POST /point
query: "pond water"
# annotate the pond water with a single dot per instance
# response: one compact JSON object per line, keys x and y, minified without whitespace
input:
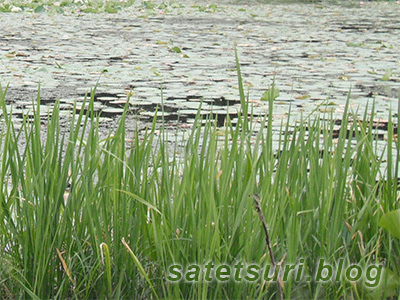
{"x":180,"y":56}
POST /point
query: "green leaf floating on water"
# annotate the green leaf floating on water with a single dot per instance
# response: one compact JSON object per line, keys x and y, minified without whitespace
{"x":391,"y":222}
{"x":111,"y":9}
{"x":351,"y":44}
{"x":387,"y":75}
{"x":39,"y":9}
{"x":213,"y":7}
{"x":42,"y":69}
{"x":176,"y":49}
{"x":270,"y":94}
{"x":90,"y":10}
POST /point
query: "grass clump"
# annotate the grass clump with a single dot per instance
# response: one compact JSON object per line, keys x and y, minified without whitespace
{"x":87,"y":218}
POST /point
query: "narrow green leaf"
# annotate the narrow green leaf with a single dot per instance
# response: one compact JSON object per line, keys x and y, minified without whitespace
{"x":141,"y":200}
{"x":139,"y":266}
{"x":105,"y":252}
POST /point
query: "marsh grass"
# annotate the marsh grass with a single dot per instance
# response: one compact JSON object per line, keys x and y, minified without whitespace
{"x":86,"y":218}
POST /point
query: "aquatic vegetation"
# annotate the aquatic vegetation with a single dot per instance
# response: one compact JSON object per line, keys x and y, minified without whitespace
{"x":86,"y":6}
{"x":85,"y":217}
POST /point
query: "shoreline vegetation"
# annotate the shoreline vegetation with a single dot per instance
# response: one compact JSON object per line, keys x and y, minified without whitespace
{"x":147,"y":8}
{"x":84,"y":218}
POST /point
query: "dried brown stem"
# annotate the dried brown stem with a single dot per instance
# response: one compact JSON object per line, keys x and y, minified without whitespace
{"x":268,"y":242}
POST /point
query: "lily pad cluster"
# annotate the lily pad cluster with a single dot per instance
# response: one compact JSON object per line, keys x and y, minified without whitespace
{"x":84,"y":6}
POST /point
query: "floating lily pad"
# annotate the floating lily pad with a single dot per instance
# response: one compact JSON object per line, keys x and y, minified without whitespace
{"x":112,"y":111}
{"x":107,"y":99}
{"x":352,"y":44}
{"x":39,"y":9}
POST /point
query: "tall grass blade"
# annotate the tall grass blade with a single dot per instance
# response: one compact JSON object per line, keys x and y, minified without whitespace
{"x":139,"y":266}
